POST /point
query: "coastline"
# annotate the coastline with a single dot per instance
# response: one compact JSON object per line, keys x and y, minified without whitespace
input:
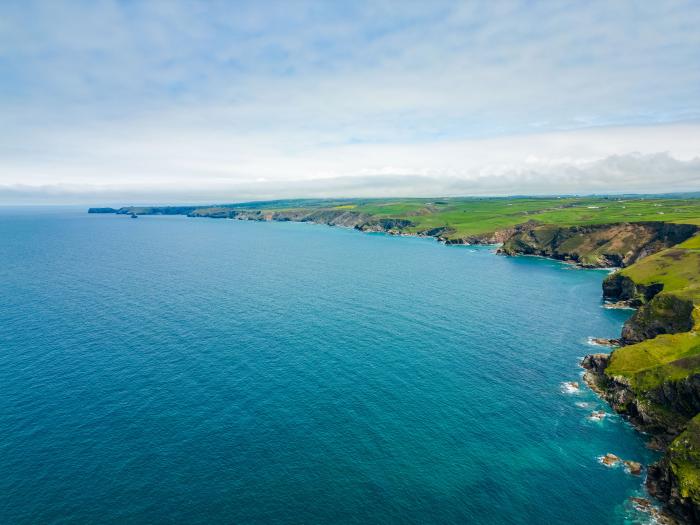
{"x":526,"y":240}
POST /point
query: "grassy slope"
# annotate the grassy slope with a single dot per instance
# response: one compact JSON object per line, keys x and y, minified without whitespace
{"x":666,"y":357}
{"x":684,"y":459}
{"x":475,"y":216}
{"x":678,"y":268}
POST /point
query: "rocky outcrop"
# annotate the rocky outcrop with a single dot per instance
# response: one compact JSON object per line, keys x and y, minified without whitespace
{"x":330,"y":217}
{"x":156,"y":210}
{"x":385,"y":225}
{"x":658,"y":396}
{"x":676,"y":478}
{"x":496,"y":237}
{"x":603,"y":341}
{"x":102,"y":210}
{"x":666,"y":313}
{"x":596,"y":246}
{"x":441,"y":232}
{"x":616,"y":391}
{"x":662,"y":411}
{"x":595,"y":364}
{"x":618,"y":287}
{"x":345,"y":218}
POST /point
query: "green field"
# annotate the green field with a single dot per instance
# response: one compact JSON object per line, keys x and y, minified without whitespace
{"x":667,"y":357}
{"x":474,"y":216}
{"x":677,"y":268}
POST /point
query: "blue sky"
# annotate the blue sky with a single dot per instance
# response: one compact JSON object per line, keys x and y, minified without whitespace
{"x":208,"y":101}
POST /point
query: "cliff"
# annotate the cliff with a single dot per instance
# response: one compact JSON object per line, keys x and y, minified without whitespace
{"x":600,"y":245}
{"x":676,"y":478}
{"x":516,"y":224}
{"x":654,"y":378}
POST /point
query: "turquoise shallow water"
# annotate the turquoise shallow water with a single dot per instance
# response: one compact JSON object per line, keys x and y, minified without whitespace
{"x":168,"y":369}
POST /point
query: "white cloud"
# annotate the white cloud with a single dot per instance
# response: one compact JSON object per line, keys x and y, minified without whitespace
{"x":633,"y":173}
{"x":134,"y":95}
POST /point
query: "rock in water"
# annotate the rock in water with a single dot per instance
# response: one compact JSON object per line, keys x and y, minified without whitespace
{"x":609,"y":460}
{"x":602,"y":341}
{"x":597,"y":415}
{"x":641,"y":504}
{"x":633,"y":467}
{"x":570,"y":387}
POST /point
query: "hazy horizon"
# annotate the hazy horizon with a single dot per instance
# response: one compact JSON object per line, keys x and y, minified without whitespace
{"x":181,"y":102}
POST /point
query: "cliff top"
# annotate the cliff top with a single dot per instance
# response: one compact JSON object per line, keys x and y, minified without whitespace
{"x":465,"y":217}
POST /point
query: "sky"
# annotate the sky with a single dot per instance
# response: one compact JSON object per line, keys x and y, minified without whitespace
{"x":128,"y":102}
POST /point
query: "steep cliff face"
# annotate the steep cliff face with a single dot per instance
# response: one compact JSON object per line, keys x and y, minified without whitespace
{"x":495,"y":237}
{"x":665,"y":402}
{"x":676,"y":478}
{"x":654,"y":378}
{"x":665,"y":313}
{"x":653,"y":400}
{"x":604,"y":245}
{"x":619,"y":287}
{"x":155,"y":210}
{"x":385,"y":225}
{"x":340,"y":217}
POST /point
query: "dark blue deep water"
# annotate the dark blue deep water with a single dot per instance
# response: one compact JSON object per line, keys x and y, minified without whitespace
{"x":175,"y":370}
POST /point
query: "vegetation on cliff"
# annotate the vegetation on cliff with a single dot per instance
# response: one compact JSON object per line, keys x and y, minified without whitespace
{"x":676,"y":269}
{"x":684,"y":460}
{"x":676,"y":478}
{"x":649,"y":364}
{"x":455,"y":219}
{"x":655,"y":377}
{"x":598,"y":245}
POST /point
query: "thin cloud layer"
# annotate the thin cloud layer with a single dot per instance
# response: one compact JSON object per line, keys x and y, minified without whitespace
{"x":633,"y":173}
{"x":177,"y":100}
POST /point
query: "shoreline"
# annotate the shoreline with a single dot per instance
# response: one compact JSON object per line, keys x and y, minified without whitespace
{"x":524,"y":241}
{"x":649,"y":505}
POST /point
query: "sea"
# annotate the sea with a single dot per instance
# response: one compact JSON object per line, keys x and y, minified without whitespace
{"x":181,"y":370}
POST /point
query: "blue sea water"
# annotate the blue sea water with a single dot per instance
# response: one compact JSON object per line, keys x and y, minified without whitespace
{"x":175,"y":370}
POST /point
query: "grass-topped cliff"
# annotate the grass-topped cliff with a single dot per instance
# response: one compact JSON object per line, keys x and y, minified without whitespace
{"x":655,"y":377}
{"x":675,"y":268}
{"x":676,"y":478}
{"x":451,"y":219}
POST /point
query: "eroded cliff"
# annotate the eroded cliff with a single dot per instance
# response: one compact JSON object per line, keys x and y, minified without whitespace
{"x":601,"y":245}
{"x":654,"y":378}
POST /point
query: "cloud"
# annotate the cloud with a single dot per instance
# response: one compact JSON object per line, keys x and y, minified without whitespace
{"x":634,"y":173}
{"x":192,"y":94}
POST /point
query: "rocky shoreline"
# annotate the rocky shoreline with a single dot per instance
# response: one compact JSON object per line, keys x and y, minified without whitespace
{"x":595,"y":246}
{"x":664,"y":408}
